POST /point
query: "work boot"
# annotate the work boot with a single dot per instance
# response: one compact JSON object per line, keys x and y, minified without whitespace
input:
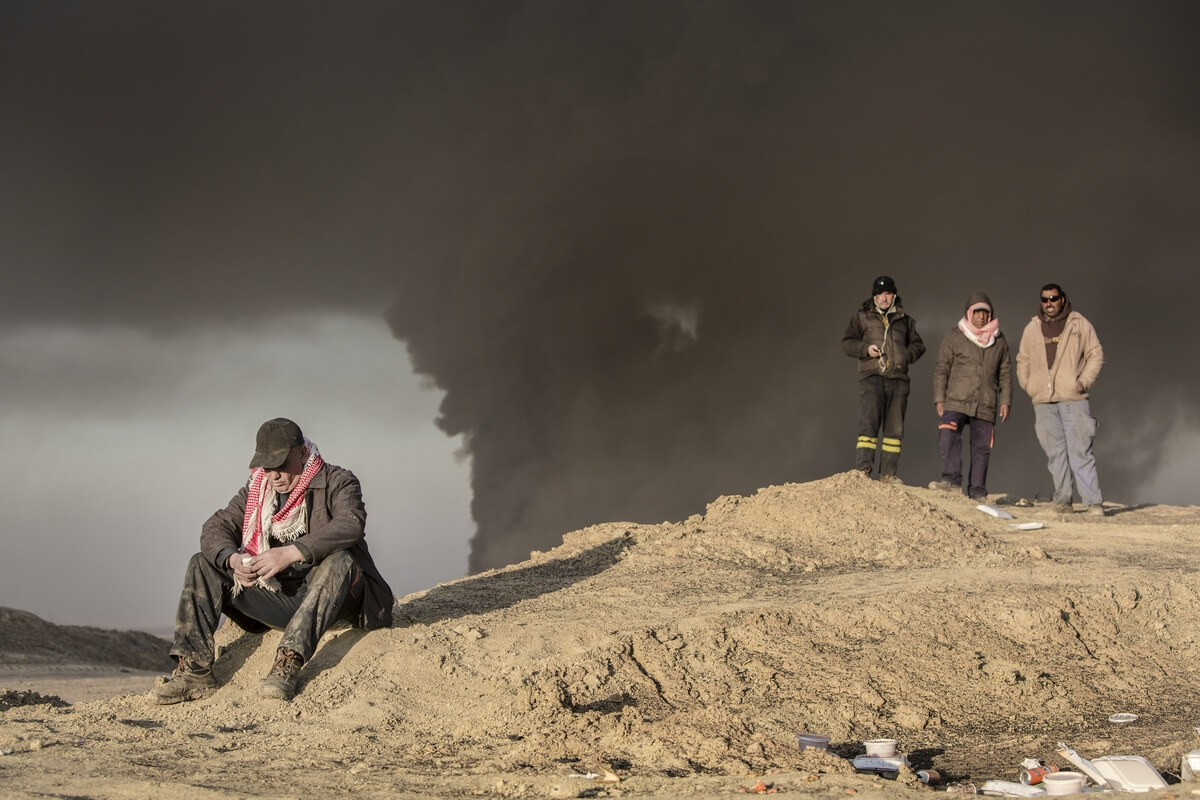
{"x":893,"y":479}
{"x":189,"y":681}
{"x":1096,"y":510}
{"x":1063,"y":508}
{"x":281,"y":681}
{"x":943,"y":486}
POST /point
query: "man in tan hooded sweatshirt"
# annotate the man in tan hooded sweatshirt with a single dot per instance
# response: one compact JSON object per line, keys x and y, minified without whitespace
{"x":1058,"y":362}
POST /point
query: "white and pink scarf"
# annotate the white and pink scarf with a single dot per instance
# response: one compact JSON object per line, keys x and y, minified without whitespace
{"x":984,"y":337}
{"x":287,"y":524}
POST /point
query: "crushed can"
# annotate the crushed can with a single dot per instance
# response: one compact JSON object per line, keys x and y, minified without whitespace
{"x":962,"y":788}
{"x":1031,"y":776}
{"x":930,"y":777}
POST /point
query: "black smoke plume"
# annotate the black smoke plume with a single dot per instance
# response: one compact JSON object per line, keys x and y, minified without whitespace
{"x":624,"y":237}
{"x":671,"y":218}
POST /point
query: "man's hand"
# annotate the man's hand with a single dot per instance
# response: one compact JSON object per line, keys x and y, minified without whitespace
{"x":941,"y":409}
{"x":1079,"y":387}
{"x":873,"y":351}
{"x":266,"y":565}
{"x":242,"y":573}
{"x":1003,"y":412}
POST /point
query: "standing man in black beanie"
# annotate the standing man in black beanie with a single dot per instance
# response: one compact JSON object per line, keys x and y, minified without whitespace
{"x":885,"y":341}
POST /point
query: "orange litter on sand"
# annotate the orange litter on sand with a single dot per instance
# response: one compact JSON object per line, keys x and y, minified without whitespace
{"x":760,"y":788}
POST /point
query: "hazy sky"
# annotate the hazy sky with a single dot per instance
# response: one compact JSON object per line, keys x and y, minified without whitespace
{"x":618,"y":242}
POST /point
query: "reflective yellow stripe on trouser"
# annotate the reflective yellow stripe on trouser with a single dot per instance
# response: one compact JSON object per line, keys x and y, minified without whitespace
{"x":890,"y":445}
{"x":868,"y":442}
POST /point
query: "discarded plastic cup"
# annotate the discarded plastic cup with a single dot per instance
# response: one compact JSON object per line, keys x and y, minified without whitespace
{"x":881,"y":748}
{"x":813,"y":741}
{"x":1060,"y":783}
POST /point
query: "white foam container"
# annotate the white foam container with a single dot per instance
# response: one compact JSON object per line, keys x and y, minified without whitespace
{"x":1189,"y":766}
{"x":1129,"y":773}
{"x":875,"y":764}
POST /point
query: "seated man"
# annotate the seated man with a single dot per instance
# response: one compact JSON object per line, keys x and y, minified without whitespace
{"x":287,"y":553}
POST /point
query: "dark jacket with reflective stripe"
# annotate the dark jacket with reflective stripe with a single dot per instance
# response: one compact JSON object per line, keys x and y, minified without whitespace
{"x":899,"y":341}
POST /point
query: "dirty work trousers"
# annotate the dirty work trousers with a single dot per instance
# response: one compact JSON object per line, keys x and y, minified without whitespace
{"x":950,"y":428}
{"x":307,"y":604}
{"x":1066,"y":431}
{"x":882,"y":403}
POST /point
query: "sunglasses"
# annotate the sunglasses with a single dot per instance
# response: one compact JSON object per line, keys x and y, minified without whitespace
{"x":1054,"y":298}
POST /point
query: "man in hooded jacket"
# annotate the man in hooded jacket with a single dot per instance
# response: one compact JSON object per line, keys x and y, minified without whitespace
{"x":1057,"y":364}
{"x":885,"y":341}
{"x":972,"y":385}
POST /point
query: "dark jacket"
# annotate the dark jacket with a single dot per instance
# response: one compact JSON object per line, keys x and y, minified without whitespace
{"x":337,"y":520}
{"x":970,"y":379}
{"x":899,"y":340}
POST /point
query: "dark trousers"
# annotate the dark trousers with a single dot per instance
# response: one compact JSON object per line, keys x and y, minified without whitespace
{"x":950,"y":441}
{"x":306,"y":605}
{"x":882,"y":403}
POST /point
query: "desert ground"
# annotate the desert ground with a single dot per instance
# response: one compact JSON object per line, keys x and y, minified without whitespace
{"x":673,"y":660}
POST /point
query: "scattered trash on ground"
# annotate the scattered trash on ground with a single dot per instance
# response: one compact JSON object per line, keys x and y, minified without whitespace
{"x":1036,"y":778}
{"x":1120,"y":719}
{"x":1106,"y":773}
{"x":881,"y":758}
{"x":1027,"y":526}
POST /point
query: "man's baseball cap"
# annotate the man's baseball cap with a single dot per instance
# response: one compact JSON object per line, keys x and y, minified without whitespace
{"x":883,"y":284}
{"x":276,"y":438}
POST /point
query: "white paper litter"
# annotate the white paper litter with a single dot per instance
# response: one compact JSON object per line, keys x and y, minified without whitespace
{"x":1027,"y":526}
{"x":995,"y":512}
{"x":1083,"y":764}
{"x":1011,"y":789}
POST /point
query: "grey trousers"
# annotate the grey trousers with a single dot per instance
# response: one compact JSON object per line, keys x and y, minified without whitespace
{"x":306,"y":606}
{"x":1066,"y":432}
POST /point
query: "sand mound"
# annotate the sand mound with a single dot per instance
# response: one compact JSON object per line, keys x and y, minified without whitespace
{"x":686,"y":656}
{"x":28,"y":639}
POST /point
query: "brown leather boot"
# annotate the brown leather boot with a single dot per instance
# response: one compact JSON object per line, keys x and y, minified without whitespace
{"x":281,"y":681}
{"x":189,"y":681}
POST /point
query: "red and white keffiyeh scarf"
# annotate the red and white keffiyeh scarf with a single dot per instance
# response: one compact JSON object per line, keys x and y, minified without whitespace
{"x":287,"y":524}
{"x":985,"y":337}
